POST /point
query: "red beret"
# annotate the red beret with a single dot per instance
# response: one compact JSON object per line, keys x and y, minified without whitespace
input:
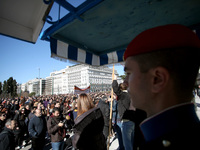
{"x":162,"y":37}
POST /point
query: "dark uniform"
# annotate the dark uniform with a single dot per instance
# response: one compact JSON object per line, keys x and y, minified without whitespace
{"x":173,"y":129}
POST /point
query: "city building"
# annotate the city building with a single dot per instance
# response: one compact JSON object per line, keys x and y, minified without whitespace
{"x":35,"y":85}
{"x":64,"y":80}
{"x":82,"y":76}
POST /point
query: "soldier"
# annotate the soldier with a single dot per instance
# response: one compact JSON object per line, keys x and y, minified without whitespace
{"x":162,"y":64}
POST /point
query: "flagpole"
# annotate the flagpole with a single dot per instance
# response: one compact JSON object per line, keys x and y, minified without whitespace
{"x":111,"y":103}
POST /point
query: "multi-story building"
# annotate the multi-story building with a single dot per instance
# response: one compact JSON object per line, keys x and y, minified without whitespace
{"x":63,"y":81}
{"x":36,"y":85}
{"x":48,"y":86}
{"x":24,"y":87}
{"x":82,"y":76}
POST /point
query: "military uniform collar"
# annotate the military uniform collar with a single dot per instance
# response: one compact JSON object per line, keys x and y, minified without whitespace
{"x":168,"y":120}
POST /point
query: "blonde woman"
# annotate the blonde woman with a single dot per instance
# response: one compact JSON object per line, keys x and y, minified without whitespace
{"x":88,"y":128}
{"x":84,"y":104}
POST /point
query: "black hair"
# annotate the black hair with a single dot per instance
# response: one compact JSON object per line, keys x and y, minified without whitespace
{"x":55,"y":109}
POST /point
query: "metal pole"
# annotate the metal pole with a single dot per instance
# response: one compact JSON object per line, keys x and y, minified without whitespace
{"x":111,"y":102}
{"x":39,"y":73}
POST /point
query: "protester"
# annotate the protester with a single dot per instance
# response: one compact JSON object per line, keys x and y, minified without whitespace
{"x":46,"y":102}
{"x":74,"y":110}
{"x":18,"y":135}
{"x":88,"y":128}
{"x":68,"y":123}
{"x":162,"y":64}
{"x":16,"y":106}
{"x":57,"y":104}
{"x":117,"y":123}
{"x":32,"y":113}
{"x":20,"y":118}
{"x":128,"y":126}
{"x":7,"y":105}
{"x":2,"y":120}
{"x":7,"y":139}
{"x":56,"y":130}
{"x":37,"y":129}
{"x":105,"y":109}
{"x":12,"y":111}
{"x":27,"y":111}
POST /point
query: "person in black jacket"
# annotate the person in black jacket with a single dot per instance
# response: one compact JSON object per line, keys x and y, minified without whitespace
{"x":20,"y":118}
{"x":12,"y":111}
{"x":2,"y":120}
{"x":125,"y":113}
{"x":17,"y":132}
{"x":105,"y":109}
{"x":37,"y":130}
{"x":88,"y":128}
{"x":7,"y":139}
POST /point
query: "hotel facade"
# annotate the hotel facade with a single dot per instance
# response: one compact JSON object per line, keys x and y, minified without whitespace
{"x":63,"y":81}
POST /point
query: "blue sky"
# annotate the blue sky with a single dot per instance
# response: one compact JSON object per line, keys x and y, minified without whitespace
{"x":22,"y":60}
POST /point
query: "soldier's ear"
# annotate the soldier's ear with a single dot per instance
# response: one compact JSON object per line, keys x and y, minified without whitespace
{"x":160,"y":77}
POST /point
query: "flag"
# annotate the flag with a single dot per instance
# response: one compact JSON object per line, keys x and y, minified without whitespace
{"x":78,"y":90}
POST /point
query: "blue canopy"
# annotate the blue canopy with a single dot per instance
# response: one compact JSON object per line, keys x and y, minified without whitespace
{"x":98,"y":32}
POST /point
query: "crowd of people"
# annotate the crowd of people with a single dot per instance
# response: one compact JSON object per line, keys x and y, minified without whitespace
{"x":54,"y":118}
{"x":56,"y":111}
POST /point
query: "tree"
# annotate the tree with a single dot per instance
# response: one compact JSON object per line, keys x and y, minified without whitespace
{"x":14,"y":83}
{"x":122,"y":76}
{"x":5,"y":88}
{"x":0,"y":88}
{"x":32,"y":94}
{"x":10,"y":87}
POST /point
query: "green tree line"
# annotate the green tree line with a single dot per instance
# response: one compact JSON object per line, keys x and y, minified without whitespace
{"x":8,"y":88}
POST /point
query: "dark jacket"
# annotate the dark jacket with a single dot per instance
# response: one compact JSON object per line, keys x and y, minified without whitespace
{"x":7,"y":140}
{"x":123,"y":100}
{"x":37,"y":127}
{"x":55,"y":132}
{"x":2,"y":124}
{"x":88,"y":131}
{"x":20,"y":118}
{"x":12,"y":110}
{"x":16,"y":107}
{"x":105,"y":109}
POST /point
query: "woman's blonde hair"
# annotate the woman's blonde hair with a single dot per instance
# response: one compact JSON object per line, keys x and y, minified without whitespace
{"x":84,"y":103}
